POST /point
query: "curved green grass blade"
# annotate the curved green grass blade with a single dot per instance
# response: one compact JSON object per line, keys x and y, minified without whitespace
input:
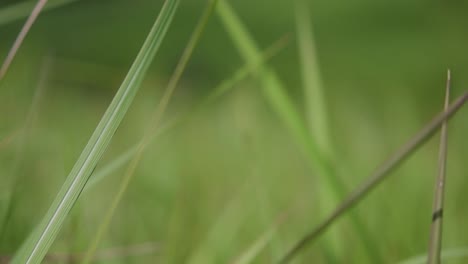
{"x":39,"y":242}
{"x":21,"y":10}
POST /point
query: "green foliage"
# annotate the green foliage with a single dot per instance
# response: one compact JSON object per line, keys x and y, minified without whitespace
{"x":38,"y":243}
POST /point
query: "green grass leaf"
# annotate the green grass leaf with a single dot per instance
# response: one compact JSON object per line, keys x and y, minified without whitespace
{"x":314,"y":93}
{"x":40,"y":240}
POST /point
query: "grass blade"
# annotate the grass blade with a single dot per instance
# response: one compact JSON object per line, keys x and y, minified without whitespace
{"x":253,"y":250}
{"x":312,"y":82}
{"x":24,"y":31}
{"x":24,"y":134}
{"x":161,"y":108}
{"x":21,"y":10}
{"x":40,"y":240}
{"x":435,"y":241}
{"x":379,"y":174}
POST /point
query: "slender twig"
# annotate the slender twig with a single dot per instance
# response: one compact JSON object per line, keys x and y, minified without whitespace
{"x":153,"y":126}
{"x":435,"y":240}
{"x":24,"y":31}
{"x":379,"y":174}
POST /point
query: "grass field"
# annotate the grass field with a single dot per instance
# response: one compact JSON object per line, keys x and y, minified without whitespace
{"x":251,"y":122}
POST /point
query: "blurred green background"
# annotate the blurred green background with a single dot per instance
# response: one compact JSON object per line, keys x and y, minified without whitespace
{"x":211,"y":186}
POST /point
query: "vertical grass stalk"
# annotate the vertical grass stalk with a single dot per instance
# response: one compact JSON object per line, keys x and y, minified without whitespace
{"x":435,"y":240}
{"x":377,"y":176}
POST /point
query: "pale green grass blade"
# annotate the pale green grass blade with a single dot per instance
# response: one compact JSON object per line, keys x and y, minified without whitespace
{"x":221,"y":89}
{"x":249,"y":255}
{"x":223,"y":230}
{"x":152,"y":127}
{"x":317,"y":117}
{"x":447,"y":254}
{"x":21,"y":36}
{"x":24,"y":134}
{"x":377,"y":176}
{"x":272,"y":86}
{"x":23,"y":9}
{"x":316,"y":110}
{"x":39,"y":242}
{"x":435,"y":240}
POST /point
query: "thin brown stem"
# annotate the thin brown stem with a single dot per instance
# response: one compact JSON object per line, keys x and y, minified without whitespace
{"x":435,"y":241}
{"x":19,"y":40}
{"x":379,"y":174}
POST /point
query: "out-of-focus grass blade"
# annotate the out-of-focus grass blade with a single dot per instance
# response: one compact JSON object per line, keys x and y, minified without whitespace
{"x":435,"y":240}
{"x":377,"y":176}
{"x":447,"y":254}
{"x":21,"y":36}
{"x":23,"y":134}
{"x":223,"y":230}
{"x":152,"y":127}
{"x":225,"y":86}
{"x":317,"y":116}
{"x":36,"y":246}
{"x":284,"y":107}
{"x":23,"y":9}
{"x":272,"y":86}
{"x":312,"y":82}
{"x":250,"y":253}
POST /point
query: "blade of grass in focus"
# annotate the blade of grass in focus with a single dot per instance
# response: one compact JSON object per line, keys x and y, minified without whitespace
{"x":23,"y":9}
{"x":225,"y":86}
{"x":377,"y":176}
{"x":435,"y":240}
{"x":152,"y":127}
{"x":21,"y":36}
{"x":38,"y":243}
